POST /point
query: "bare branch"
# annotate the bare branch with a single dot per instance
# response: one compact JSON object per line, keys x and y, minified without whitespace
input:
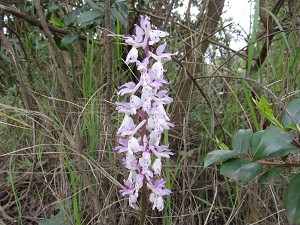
{"x":37,"y":23}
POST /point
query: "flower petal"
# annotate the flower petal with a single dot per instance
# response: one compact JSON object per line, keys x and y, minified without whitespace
{"x":132,"y":55}
{"x":157,"y":166}
{"x":161,"y":48}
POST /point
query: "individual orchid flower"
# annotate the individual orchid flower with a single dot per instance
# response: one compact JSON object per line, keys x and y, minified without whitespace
{"x":142,"y":66}
{"x":157,"y":201}
{"x":155,"y":35}
{"x":158,"y":191}
{"x":157,"y":166}
{"x":127,"y":126}
{"x":128,"y":88}
{"x":133,"y":195}
{"x":159,"y":187}
{"x":141,"y":143}
{"x":123,"y":147}
{"x":135,"y":104}
{"x":131,"y":164}
{"x":133,"y":42}
{"x":133,"y":145}
{"x":157,"y":69}
{"x":145,"y":162}
{"x":139,"y":33}
{"x":160,"y":56}
{"x":162,"y":151}
{"x":132,"y":55}
{"x":162,"y":98}
{"x":123,"y":107}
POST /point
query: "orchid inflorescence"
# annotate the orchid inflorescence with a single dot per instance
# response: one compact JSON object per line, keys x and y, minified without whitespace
{"x":141,"y":142}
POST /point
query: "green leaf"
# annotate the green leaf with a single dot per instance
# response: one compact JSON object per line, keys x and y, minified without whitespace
{"x":100,"y":5}
{"x":89,"y":16}
{"x":122,"y":12}
{"x":69,"y":19}
{"x":290,"y":149}
{"x":219,"y":155}
{"x":253,"y":37}
{"x":273,"y":172}
{"x":221,"y":145}
{"x":283,"y":34}
{"x":69,"y":39}
{"x":91,"y":4}
{"x":57,"y":40}
{"x":241,"y":140}
{"x":292,"y":198}
{"x":56,"y":7}
{"x":264,"y":107}
{"x":122,"y":6}
{"x":269,"y":141}
{"x":56,"y":22}
{"x":239,"y":169}
{"x":62,"y":217}
{"x":294,"y":108}
{"x":295,"y":127}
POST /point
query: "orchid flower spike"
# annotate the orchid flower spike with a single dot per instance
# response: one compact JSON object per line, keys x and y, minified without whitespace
{"x":145,"y":117}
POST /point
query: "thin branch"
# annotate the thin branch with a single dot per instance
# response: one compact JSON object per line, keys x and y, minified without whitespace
{"x":37,"y":23}
{"x":269,"y":25}
{"x":71,"y":98}
{"x":279,"y":164}
{"x":25,"y":92}
{"x":208,"y":38}
{"x":168,"y":15}
{"x":201,"y":92}
{"x":258,"y":83}
{"x":158,"y":17}
{"x":205,"y":39}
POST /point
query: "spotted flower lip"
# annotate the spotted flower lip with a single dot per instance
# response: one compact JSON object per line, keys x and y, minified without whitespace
{"x":132,"y":55}
{"x":145,"y":117}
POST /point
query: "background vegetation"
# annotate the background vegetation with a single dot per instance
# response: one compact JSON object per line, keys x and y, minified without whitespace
{"x":59,"y":75}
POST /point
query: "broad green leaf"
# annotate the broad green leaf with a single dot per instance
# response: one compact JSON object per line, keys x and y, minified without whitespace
{"x":56,"y":7}
{"x":266,"y":110}
{"x":100,"y":5}
{"x":292,"y":198}
{"x":57,"y":40}
{"x":89,"y":16}
{"x":91,"y":4}
{"x":71,"y":17}
{"x":239,"y":169}
{"x":69,"y":38}
{"x":219,"y":155}
{"x":120,"y":17}
{"x":273,"y":172}
{"x":122,"y":6}
{"x":241,"y":140}
{"x":62,"y":217}
{"x":122,"y":12}
{"x":269,"y":141}
{"x":290,"y":149}
{"x":294,"y":108}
